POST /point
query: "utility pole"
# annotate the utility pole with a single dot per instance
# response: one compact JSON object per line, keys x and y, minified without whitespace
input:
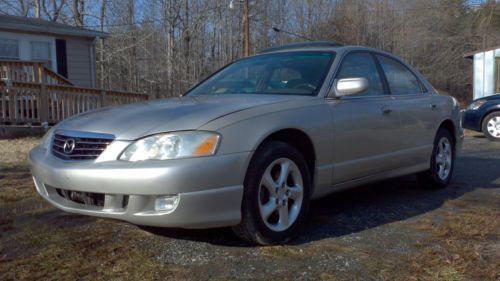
{"x":246,"y":26}
{"x":37,"y":9}
{"x":246,"y":30}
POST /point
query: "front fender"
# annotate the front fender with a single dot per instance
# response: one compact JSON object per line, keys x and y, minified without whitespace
{"x":244,"y":131}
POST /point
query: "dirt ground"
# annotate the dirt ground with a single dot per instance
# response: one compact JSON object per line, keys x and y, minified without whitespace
{"x":394,"y":230}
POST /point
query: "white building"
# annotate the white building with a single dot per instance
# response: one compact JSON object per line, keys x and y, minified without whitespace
{"x":486,"y":77}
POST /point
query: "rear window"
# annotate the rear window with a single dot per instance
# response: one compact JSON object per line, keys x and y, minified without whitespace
{"x":401,"y":80}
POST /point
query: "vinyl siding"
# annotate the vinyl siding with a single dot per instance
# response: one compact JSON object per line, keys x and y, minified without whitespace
{"x":79,"y":61}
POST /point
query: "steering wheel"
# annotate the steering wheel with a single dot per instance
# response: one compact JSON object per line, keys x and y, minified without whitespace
{"x":305,"y":86}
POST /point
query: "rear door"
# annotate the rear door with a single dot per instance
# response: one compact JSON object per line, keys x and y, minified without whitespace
{"x":366,"y":125}
{"x":416,"y":108}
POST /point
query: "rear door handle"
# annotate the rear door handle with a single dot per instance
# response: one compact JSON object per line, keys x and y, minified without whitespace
{"x":386,"y":110}
{"x":433,"y":106}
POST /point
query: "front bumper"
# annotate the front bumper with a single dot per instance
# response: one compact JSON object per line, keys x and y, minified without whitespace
{"x":210,"y":189}
{"x":471,"y":119}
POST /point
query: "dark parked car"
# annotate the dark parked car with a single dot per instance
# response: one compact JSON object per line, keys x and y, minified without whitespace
{"x":483,"y":115}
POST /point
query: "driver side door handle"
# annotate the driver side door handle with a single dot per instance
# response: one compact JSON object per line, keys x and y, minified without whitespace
{"x":386,"y":110}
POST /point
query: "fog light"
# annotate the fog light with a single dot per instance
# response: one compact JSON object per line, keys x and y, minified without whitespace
{"x":166,"y":203}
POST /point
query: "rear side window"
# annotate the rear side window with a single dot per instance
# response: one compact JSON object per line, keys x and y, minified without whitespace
{"x":401,"y":80}
{"x":362,"y":65}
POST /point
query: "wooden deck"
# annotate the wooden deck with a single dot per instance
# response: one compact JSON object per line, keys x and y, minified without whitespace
{"x":31,"y":93}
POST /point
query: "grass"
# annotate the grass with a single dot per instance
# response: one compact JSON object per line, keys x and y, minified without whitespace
{"x":61,"y":253}
{"x":16,"y":150}
{"x":460,"y":247}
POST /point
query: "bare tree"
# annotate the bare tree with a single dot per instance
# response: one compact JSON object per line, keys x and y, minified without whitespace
{"x":78,"y":9}
{"x":165,"y":46}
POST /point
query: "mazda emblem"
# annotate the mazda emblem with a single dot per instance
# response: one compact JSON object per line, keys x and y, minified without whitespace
{"x":69,"y":146}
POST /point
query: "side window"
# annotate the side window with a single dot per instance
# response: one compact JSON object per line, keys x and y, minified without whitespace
{"x":401,"y":80}
{"x":356,"y":65}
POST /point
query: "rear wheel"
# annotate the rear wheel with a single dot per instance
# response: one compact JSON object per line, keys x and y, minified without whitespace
{"x":276,"y":195}
{"x":442,"y":162}
{"x":491,"y":126}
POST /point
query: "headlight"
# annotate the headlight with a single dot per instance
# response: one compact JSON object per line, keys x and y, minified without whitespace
{"x":477,"y":104}
{"x":172,"y":146}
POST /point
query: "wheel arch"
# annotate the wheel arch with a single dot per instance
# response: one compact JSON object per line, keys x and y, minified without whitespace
{"x":488,"y":112}
{"x":300,"y":141}
{"x":449,"y":125}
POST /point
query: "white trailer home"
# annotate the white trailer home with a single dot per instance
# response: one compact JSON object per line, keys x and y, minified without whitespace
{"x":486,"y":76}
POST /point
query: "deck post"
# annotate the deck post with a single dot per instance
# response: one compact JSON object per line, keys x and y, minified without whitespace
{"x":36,"y":72}
{"x":104,"y":100}
{"x":12,"y":100}
{"x":44,"y":98}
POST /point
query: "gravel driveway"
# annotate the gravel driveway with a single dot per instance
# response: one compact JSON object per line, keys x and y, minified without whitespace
{"x":393,"y":230}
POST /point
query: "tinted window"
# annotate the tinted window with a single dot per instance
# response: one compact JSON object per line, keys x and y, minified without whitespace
{"x":291,"y":73}
{"x":362,"y":65}
{"x":401,"y":80}
{"x":9,"y":49}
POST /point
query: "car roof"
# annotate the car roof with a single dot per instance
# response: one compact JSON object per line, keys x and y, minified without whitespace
{"x":340,"y":50}
{"x":318,"y":46}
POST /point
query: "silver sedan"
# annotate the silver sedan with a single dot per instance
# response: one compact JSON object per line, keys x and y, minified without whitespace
{"x":252,"y":144}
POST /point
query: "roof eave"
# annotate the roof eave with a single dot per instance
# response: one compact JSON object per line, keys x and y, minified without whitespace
{"x":23,"y":24}
{"x":470,"y":55}
{"x":54,"y":30}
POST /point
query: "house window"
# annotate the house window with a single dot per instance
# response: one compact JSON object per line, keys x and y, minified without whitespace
{"x":9,"y":49}
{"x":40,"y":51}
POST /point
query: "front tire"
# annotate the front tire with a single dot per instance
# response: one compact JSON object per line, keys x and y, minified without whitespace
{"x":276,"y":195}
{"x":491,"y":126}
{"x":442,"y":162}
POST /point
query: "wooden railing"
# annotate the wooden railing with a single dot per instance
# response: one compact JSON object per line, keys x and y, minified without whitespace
{"x":30,"y":71}
{"x":36,"y":96}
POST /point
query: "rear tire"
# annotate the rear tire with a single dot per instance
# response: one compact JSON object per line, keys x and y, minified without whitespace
{"x":442,"y":162}
{"x":276,"y":195}
{"x":491,"y":126}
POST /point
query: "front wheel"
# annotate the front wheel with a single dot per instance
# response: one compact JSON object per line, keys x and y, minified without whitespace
{"x":491,"y":126}
{"x":276,"y":195}
{"x":442,"y":162}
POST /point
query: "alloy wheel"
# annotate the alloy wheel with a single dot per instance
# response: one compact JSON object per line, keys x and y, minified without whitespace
{"x":493,"y":127}
{"x":281,"y":194}
{"x":444,"y":158}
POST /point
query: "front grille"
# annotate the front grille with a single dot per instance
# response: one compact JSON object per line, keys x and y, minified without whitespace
{"x":78,"y":148}
{"x":86,"y":198}
{"x":115,"y":201}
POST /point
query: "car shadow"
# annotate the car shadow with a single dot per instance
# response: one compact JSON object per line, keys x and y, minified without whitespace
{"x":398,"y":199}
{"x":368,"y":206}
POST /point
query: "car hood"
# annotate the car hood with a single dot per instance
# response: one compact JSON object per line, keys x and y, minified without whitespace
{"x":134,"y":121}
{"x":494,"y":97}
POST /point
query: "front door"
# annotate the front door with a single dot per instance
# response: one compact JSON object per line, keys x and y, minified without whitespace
{"x":366,"y":126}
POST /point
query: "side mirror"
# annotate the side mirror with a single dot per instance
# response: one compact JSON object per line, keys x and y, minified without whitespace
{"x":351,"y":86}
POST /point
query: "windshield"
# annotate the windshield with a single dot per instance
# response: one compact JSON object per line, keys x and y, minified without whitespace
{"x":291,"y":73}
